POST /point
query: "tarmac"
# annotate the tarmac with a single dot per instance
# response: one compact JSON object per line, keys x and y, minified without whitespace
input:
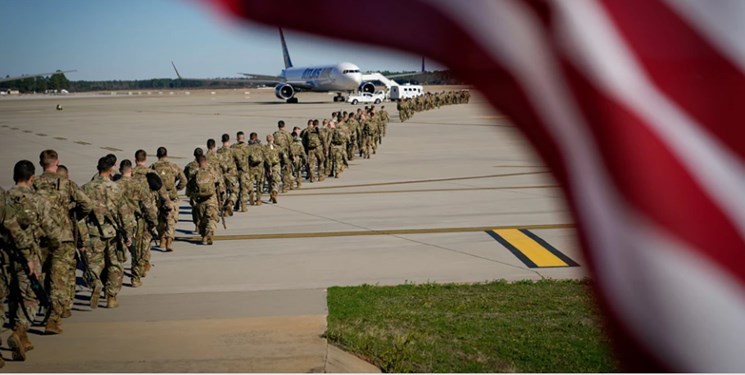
{"x":416,"y":212}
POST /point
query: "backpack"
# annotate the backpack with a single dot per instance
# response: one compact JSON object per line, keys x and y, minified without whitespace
{"x":203,"y":184}
{"x":338,"y":137}
{"x":166,"y":175}
{"x":314,"y":140}
{"x":256,"y":156}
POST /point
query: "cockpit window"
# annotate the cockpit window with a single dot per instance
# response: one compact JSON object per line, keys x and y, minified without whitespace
{"x":350,"y":71}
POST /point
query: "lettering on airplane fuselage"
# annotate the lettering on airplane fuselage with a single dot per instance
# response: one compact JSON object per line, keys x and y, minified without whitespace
{"x":312,"y":73}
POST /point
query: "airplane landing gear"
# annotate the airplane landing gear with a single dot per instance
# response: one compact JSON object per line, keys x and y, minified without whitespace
{"x":339,"y":98}
{"x":292,"y":100}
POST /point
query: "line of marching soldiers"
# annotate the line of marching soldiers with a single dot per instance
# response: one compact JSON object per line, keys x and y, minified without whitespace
{"x":234,"y":176}
{"x":407,"y":107}
{"x":50,"y":226}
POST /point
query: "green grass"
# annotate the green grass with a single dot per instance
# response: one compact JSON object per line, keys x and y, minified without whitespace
{"x":545,"y":326}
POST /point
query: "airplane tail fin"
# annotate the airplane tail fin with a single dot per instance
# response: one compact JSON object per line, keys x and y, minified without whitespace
{"x":285,"y":53}
{"x":174,"y":68}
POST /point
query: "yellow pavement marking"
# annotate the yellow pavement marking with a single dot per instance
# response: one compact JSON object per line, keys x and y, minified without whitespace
{"x":531,"y":249}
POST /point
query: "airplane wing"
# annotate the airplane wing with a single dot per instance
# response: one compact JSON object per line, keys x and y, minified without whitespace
{"x":6,"y":79}
{"x":254,"y":78}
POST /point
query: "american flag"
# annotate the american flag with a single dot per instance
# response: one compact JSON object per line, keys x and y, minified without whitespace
{"x":634,"y":105}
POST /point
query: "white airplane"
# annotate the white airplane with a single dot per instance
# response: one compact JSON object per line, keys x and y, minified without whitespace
{"x":9,"y":78}
{"x":342,"y":78}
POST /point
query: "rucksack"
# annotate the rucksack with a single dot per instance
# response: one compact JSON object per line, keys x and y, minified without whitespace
{"x":166,"y":175}
{"x":204,"y":184}
{"x":338,"y":137}
{"x":256,"y":156}
{"x":314,"y":140}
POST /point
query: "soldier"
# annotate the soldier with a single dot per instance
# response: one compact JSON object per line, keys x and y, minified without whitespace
{"x":62,"y":197}
{"x":273,"y":167}
{"x":299,"y":159}
{"x":283,"y":139}
{"x":367,"y":136}
{"x":338,"y":145}
{"x":256,"y":168}
{"x":384,"y":118}
{"x":189,"y":170}
{"x":240,"y":156}
{"x":173,"y":181}
{"x":110,"y":222}
{"x":36,"y":219}
{"x":205,"y":188}
{"x":159,"y":198}
{"x":139,"y":198}
{"x":229,"y":173}
{"x":315,"y":152}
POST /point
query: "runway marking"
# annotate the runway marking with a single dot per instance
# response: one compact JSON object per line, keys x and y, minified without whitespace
{"x":14,"y":128}
{"x":107,"y":148}
{"x":531,"y":249}
{"x":41,"y":134}
{"x":371,"y":232}
{"x":60,"y":138}
{"x":423,"y":190}
{"x":27,"y":131}
{"x":490,"y":117}
{"x":426,"y":181}
{"x":83,"y":143}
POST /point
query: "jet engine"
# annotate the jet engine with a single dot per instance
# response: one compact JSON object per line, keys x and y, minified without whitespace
{"x":366,"y":87}
{"x":284,"y":91}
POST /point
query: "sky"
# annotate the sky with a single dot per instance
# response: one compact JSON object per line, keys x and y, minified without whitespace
{"x":138,"y":39}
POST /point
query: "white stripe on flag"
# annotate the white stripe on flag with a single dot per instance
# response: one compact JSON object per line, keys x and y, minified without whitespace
{"x":722,"y":25}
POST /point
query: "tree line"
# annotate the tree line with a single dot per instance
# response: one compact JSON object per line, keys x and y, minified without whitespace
{"x":60,"y":82}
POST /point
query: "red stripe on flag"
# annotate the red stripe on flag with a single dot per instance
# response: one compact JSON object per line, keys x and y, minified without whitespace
{"x":654,"y":181}
{"x":685,"y":67}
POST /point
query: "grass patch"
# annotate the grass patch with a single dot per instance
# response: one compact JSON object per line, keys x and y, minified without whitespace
{"x":544,"y":326}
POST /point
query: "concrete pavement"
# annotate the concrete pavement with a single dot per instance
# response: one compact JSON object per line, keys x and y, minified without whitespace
{"x":255,"y":301}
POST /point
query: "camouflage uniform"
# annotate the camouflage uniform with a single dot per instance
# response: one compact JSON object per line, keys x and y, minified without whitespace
{"x":113,"y":212}
{"x":15,"y":237}
{"x":240,"y":156}
{"x":256,"y":165}
{"x":315,"y":155}
{"x":173,"y":181}
{"x":283,"y":139}
{"x":205,"y":187}
{"x":230,"y":176}
{"x":158,"y":199}
{"x":338,"y":145}
{"x":35,"y":215}
{"x":273,"y":165}
{"x":62,"y":196}
{"x":325,"y":165}
{"x":139,"y":198}
{"x":367,"y":138}
{"x":189,"y":171}
{"x":299,"y":159}
{"x":353,"y":137}
{"x":384,"y":118}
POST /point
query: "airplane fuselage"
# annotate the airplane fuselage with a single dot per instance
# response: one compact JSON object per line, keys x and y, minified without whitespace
{"x":342,"y":77}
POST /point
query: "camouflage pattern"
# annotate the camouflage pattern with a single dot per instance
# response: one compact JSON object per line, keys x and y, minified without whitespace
{"x":205,"y":194}
{"x":274,"y":170}
{"x":315,"y":155}
{"x":229,"y":174}
{"x":240,"y":156}
{"x":283,"y":139}
{"x":189,"y":171}
{"x":62,"y":196}
{"x":139,"y":199}
{"x":338,"y":149}
{"x":113,"y":211}
{"x":34,"y":214}
{"x":299,"y":160}
{"x":256,"y":168}
{"x":173,"y":181}
{"x":158,"y":199}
